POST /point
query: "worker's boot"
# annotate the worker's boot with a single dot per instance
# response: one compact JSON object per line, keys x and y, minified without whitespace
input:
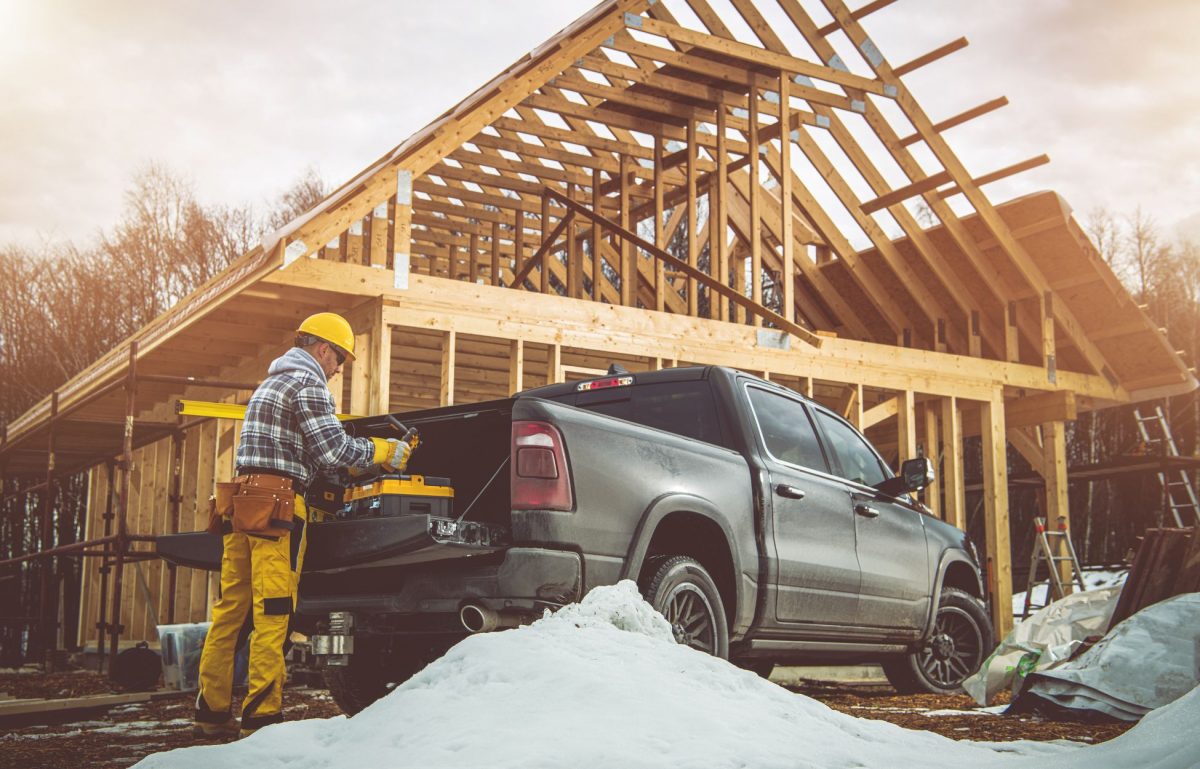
{"x":205,"y":730}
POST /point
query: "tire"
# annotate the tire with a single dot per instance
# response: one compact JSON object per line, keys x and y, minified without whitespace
{"x":683,"y":592}
{"x":760,"y":667}
{"x":374,"y":670}
{"x":961,"y":640}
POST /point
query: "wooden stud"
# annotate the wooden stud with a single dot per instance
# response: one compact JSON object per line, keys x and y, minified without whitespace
{"x":755,"y":207}
{"x":629,"y":274}
{"x":1058,"y":508}
{"x":473,"y":259}
{"x":722,"y":242}
{"x":516,"y":366}
{"x":574,"y":258}
{"x":659,"y":238}
{"x":932,"y":493}
{"x":545,"y":228}
{"x":496,"y":254}
{"x":995,"y":508}
{"x":446,"y":389}
{"x":954,"y":510}
{"x":554,"y":364}
{"x":785,"y":200}
{"x":906,"y":426}
{"x":381,"y":364}
{"x":519,"y":242}
{"x":692,"y":217}
{"x":597,"y":239}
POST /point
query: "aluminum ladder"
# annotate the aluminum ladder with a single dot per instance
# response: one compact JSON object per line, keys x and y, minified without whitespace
{"x":1044,"y":553}
{"x":1179,"y":495}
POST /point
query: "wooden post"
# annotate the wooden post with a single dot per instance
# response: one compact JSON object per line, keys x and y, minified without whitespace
{"x":544,"y":280}
{"x":574,"y":258}
{"x":932,"y":493}
{"x":755,"y":206}
{"x":1012,"y":335}
{"x":553,"y":363}
{"x":906,"y":426}
{"x":853,"y":411}
{"x":360,"y":376}
{"x":660,"y":279}
{"x":379,"y":235}
{"x":1057,"y":509}
{"x":995,"y":509}
{"x":692,"y":217}
{"x":381,"y":364}
{"x":446,"y":392}
{"x":629,"y":275}
{"x":954,"y":510}
{"x":472,"y":261}
{"x":597,"y":239}
{"x":519,"y":243}
{"x":722,"y":243}
{"x":1049,"y":358}
{"x":785,"y":198}
{"x":516,"y":366}
{"x":402,"y":248}
{"x":496,"y":253}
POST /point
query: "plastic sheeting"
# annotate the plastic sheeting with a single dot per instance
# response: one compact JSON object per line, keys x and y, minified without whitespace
{"x":1052,"y":634}
{"x":1144,"y":663}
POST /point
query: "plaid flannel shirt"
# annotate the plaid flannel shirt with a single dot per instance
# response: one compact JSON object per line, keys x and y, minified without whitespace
{"x":291,"y":426}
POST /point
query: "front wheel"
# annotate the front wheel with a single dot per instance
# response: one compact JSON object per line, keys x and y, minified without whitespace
{"x":683,"y":592}
{"x":960,"y":641}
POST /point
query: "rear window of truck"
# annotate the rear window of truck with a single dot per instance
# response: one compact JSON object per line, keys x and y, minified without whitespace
{"x":683,"y":408}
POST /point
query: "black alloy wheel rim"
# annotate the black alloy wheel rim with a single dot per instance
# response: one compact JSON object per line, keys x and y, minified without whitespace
{"x":955,"y":650}
{"x":691,"y":617}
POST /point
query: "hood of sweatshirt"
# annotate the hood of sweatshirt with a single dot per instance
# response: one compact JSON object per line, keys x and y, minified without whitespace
{"x":297,"y":359}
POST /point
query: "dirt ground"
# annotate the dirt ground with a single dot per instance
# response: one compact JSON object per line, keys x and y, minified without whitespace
{"x":125,"y":734}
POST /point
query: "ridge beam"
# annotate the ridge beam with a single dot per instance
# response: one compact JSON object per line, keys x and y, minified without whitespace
{"x":757,"y":56}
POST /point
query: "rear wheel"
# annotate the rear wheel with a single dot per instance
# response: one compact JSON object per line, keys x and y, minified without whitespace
{"x":960,"y":641}
{"x":375,"y":668}
{"x":683,"y":591}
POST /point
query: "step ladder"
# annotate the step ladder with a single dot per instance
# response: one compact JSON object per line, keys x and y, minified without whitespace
{"x":1179,"y":495}
{"x":1044,"y":553}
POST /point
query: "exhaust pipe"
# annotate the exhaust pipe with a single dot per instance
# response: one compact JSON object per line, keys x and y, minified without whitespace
{"x":480,"y":619}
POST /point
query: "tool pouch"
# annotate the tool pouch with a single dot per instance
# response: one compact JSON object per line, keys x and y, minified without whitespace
{"x":220,"y":507}
{"x":263,"y":505}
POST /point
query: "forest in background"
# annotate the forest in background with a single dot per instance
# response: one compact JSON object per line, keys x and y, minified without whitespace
{"x":64,"y":305}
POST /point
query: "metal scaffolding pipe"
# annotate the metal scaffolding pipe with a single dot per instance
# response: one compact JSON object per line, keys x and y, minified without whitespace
{"x":102,"y":620}
{"x":194,"y":382}
{"x":123,"y":501}
{"x":47,"y":617}
{"x":56,"y":551}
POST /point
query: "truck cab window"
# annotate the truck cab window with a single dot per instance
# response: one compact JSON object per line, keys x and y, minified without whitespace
{"x":786,"y":429}
{"x":857,"y":461}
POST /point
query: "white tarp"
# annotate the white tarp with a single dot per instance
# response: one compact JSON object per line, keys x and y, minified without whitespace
{"x":1146,"y":662}
{"x":1053,"y":633}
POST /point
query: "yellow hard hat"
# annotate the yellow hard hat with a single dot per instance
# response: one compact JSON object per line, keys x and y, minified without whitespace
{"x":332,"y":328}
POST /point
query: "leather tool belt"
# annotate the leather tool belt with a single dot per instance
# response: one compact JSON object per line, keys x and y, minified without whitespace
{"x":256,"y":503}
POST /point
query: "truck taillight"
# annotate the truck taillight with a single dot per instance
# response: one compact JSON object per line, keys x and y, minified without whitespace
{"x":539,"y":476}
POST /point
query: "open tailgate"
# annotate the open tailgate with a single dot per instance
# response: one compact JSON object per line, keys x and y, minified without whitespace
{"x":340,"y":545}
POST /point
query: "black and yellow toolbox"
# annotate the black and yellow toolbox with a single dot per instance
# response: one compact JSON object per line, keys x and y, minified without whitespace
{"x":392,"y":494}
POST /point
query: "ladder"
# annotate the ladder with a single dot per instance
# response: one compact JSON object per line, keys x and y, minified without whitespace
{"x":1044,"y":553}
{"x":1179,"y":495}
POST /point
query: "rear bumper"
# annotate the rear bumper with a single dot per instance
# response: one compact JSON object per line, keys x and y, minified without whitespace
{"x":527,"y":579}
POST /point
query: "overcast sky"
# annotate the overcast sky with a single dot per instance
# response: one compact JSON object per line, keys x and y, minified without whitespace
{"x":242,"y":97}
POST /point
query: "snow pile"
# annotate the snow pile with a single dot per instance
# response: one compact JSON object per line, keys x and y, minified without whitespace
{"x":1052,"y":634}
{"x":602,"y":685}
{"x":1147,"y":661}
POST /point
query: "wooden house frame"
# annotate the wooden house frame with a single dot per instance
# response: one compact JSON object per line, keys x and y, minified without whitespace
{"x":650,"y":187}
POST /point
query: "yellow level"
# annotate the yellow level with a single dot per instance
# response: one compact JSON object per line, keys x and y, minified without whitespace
{"x":224,"y":410}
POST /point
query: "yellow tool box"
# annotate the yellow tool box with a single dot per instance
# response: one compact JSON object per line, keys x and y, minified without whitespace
{"x":393,"y":494}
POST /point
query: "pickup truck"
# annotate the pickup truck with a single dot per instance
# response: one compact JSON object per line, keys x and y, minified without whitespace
{"x":762,"y":525}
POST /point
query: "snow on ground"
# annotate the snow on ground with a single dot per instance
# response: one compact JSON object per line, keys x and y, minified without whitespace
{"x":1092,"y":579}
{"x":602,"y":684}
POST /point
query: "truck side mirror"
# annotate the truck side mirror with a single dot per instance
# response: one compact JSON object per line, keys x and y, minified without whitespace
{"x":915,"y":474}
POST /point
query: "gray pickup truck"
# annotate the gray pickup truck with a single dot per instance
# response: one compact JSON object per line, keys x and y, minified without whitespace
{"x":761,"y":524}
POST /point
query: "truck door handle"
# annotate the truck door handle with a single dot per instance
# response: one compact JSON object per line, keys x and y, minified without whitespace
{"x":791,"y":492}
{"x":866,"y":511}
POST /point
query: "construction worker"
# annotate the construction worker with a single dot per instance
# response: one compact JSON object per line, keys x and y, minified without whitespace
{"x":290,"y":434}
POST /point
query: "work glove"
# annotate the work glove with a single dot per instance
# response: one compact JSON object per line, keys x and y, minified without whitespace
{"x":391,"y":454}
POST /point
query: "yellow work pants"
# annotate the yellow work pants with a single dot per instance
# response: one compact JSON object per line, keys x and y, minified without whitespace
{"x":259,"y":578}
